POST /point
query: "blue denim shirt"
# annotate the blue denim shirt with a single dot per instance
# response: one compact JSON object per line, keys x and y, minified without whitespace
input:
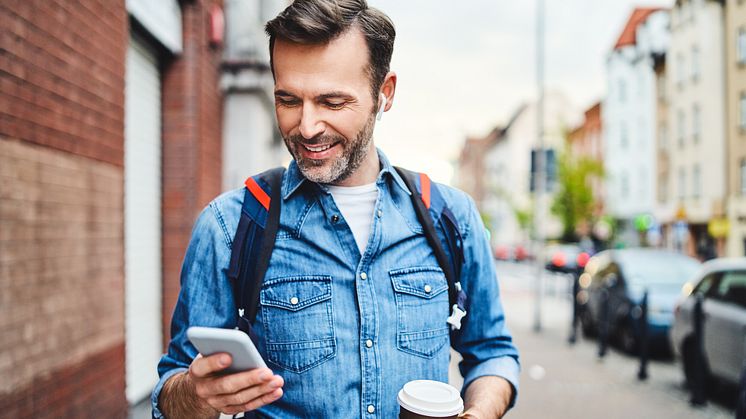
{"x":344,"y":299}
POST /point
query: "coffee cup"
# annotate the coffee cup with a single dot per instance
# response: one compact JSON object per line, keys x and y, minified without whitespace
{"x":426,"y":399}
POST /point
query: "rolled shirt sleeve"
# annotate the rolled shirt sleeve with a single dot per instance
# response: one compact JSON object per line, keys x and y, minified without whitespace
{"x":205,"y":298}
{"x":484,"y":341}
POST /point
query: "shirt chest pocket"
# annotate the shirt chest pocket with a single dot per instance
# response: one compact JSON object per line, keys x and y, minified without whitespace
{"x":422,"y":308}
{"x":298,"y":321}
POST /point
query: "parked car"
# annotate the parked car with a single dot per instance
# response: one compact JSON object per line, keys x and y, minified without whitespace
{"x":722,"y":285}
{"x":517,"y":252}
{"x":626,"y":275}
{"x":520,"y":253}
{"x":502,"y":252}
{"x":565,"y":258}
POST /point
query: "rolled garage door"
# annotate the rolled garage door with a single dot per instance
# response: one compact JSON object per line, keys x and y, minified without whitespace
{"x":142,"y":220}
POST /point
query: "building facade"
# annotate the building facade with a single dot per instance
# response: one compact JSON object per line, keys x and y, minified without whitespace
{"x":508,"y":168}
{"x":735,"y":68}
{"x":664,"y":212}
{"x":696,"y":114}
{"x":470,"y":175}
{"x":251,"y":141}
{"x":629,"y":121}
{"x":586,"y":140}
{"x":110,"y":145}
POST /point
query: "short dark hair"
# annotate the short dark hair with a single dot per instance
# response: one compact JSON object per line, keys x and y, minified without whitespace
{"x":321,"y":21}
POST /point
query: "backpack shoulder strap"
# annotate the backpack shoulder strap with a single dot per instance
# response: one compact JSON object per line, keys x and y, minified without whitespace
{"x":431,"y":210}
{"x":254,"y":241}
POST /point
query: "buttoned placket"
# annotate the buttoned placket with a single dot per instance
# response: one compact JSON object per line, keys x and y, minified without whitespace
{"x":367,"y":306}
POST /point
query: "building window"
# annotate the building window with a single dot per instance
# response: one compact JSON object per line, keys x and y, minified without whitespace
{"x":682,"y":184}
{"x":695,"y":64}
{"x":622,"y":91}
{"x":641,"y":84}
{"x":623,"y":140}
{"x":625,"y":185}
{"x":680,"y":70}
{"x":662,"y":188}
{"x":741,"y":46}
{"x":743,"y":177}
{"x":696,"y":123}
{"x":662,"y":137}
{"x":696,"y":182}
{"x":743,"y":111}
{"x":661,"y":88}
{"x":681,"y":126}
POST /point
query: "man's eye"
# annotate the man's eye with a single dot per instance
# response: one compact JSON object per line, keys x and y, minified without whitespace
{"x":334,"y":105}
{"x":287,"y":101}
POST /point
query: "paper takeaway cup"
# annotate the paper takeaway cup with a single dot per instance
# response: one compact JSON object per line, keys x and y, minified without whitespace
{"x":429,"y":399}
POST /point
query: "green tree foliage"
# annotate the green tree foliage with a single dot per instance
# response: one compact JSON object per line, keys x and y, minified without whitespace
{"x":574,"y":200}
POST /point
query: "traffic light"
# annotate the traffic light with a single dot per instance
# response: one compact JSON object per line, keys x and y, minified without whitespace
{"x":550,"y":169}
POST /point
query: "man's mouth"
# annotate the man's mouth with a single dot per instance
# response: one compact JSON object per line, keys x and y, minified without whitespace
{"x":318,"y":148}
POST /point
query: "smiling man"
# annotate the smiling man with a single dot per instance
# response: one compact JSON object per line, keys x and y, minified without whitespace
{"x":354,"y":303}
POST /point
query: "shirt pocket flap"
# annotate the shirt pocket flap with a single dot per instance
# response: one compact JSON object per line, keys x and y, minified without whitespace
{"x":424,"y":282}
{"x":297,"y":292}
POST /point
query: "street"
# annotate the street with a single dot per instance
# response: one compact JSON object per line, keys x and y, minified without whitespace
{"x":563,"y":381}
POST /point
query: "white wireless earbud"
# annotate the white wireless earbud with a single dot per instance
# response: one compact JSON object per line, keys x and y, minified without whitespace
{"x":381,"y":108}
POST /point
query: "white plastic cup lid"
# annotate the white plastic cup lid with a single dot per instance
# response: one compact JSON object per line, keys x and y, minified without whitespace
{"x":430,"y":398}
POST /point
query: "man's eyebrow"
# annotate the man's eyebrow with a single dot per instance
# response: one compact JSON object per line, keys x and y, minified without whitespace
{"x":323,"y":96}
{"x":335,"y":95}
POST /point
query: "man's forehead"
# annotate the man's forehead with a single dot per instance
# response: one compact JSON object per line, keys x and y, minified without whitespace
{"x":341,"y":61}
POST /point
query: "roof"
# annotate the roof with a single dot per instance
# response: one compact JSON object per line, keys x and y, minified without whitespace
{"x":725,"y":264}
{"x":629,"y":34}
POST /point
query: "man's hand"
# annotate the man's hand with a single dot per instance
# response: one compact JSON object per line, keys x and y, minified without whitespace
{"x":202,"y":393}
{"x":487,"y":398}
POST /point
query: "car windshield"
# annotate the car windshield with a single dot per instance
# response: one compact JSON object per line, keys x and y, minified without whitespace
{"x":657,"y":270}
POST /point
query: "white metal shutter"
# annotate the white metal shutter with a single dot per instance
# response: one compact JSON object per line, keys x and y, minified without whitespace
{"x":142,"y":220}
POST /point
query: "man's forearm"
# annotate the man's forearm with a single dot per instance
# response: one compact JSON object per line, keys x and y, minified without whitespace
{"x":178,"y":399}
{"x":487,"y":398}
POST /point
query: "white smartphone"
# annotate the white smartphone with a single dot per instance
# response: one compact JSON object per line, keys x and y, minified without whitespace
{"x":212,"y":340}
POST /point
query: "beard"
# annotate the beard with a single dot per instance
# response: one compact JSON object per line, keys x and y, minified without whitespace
{"x":334,"y":169}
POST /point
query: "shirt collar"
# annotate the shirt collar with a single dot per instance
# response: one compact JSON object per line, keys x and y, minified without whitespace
{"x":294,"y":178}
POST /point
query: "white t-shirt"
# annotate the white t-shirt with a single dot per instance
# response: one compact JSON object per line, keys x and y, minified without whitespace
{"x":357,"y":204}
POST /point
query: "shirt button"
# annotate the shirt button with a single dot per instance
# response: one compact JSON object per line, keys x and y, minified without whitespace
{"x":335,"y":218}
{"x":294,"y":300}
{"x":363,"y":275}
{"x":380,"y":213}
{"x":371,"y":408}
{"x":369,"y":343}
{"x":428,"y":288}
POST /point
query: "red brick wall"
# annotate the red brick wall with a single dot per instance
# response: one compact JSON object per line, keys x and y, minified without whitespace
{"x":61,"y":208}
{"x":62,"y":75}
{"x":192,"y":120}
{"x":67,"y":392}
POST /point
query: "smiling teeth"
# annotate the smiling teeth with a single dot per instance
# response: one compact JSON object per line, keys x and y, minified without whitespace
{"x":318,"y":149}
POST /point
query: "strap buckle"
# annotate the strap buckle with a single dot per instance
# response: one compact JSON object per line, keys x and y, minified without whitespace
{"x":457,"y":313}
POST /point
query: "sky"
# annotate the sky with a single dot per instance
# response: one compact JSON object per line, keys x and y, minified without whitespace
{"x":464,"y":67}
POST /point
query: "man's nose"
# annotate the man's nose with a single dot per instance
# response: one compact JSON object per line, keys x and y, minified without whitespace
{"x":311,"y":124}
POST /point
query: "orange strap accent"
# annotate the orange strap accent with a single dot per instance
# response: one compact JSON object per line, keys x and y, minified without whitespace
{"x":258,"y":192}
{"x":425,"y":186}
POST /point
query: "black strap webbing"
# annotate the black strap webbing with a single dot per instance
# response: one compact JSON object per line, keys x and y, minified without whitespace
{"x":428,"y":227}
{"x":274,"y":178}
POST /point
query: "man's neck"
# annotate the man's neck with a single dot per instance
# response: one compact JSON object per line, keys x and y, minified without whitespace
{"x":366,"y":173}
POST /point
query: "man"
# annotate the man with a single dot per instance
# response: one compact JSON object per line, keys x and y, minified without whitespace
{"x":350,"y":255}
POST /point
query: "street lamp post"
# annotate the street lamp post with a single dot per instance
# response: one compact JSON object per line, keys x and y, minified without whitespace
{"x":540,"y":164}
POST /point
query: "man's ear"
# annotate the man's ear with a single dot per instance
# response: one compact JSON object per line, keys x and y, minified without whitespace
{"x":388,"y":89}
